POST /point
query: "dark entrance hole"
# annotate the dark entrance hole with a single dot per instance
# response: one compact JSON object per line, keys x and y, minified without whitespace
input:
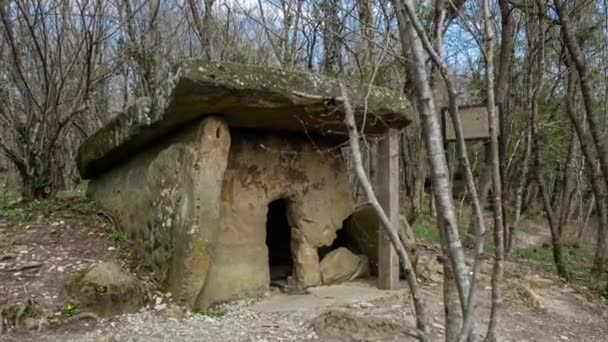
{"x":278,"y":241}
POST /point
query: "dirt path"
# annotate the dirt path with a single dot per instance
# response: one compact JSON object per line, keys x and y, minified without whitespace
{"x":40,"y":248}
{"x":358,"y":312}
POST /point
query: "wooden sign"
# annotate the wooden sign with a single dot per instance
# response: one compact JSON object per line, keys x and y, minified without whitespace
{"x":474,"y":121}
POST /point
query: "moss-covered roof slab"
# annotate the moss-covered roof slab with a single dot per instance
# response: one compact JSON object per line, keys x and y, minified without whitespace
{"x":246,"y":96}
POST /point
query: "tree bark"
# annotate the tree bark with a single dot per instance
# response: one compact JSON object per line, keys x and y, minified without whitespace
{"x":332,"y":40}
{"x":408,"y":271}
{"x":589,"y":98}
{"x":598,"y":190}
{"x":497,"y":274}
{"x":203,"y":25}
{"x":446,"y":217}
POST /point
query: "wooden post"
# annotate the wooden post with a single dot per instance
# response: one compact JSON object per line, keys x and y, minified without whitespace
{"x":387,"y":190}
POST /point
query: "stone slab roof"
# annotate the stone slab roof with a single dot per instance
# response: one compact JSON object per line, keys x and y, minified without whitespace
{"x":246,"y":96}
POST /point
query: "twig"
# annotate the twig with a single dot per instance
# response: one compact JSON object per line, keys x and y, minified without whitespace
{"x":353,"y":135}
{"x":84,"y":315}
{"x":24,"y":267}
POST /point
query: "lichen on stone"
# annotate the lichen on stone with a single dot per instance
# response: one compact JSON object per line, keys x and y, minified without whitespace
{"x":246,"y":96}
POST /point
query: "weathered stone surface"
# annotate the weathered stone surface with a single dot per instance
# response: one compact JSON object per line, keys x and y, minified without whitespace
{"x":263,"y":168}
{"x":340,"y":325}
{"x":339,"y":265}
{"x":362,"y":234}
{"x":246,"y":96}
{"x":167,"y":199}
{"x":106,"y":290}
{"x":196,"y":204}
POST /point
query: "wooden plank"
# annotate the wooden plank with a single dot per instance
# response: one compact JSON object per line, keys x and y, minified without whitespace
{"x":474,"y":121}
{"x":387,"y":190}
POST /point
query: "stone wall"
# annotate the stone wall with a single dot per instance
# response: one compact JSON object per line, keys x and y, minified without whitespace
{"x":264,"y":167}
{"x":167,"y":200}
{"x":196,"y":203}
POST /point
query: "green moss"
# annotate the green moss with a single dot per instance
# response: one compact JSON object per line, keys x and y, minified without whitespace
{"x":246,"y":96}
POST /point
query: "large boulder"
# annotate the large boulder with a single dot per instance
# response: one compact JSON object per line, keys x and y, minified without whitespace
{"x":106,"y":290}
{"x":341,"y":265}
{"x":361,"y":231}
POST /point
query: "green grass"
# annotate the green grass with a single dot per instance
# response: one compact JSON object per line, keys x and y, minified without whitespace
{"x":489,"y":248}
{"x":70,"y":310}
{"x":23,"y":210}
{"x":12,"y":213}
{"x":115,"y":236}
{"x":578,"y":263}
{"x":576,"y":258}
{"x":27,"y":210}
{"x":425,"y":229}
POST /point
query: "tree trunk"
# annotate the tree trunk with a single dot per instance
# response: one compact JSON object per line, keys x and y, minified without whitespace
{"x":497,"y":274}
{"x":598,"y":190}
{"x":587,"y":89}
{"x":37,"y":181}
{"x":367,"y":35}
{"x":332,"y":41}
{"x":434,"y":146}
{"x":404,"y":259}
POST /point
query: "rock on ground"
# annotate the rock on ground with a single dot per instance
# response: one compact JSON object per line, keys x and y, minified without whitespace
{"x":106,"y":290}
{"x":339,"y":265}
{"x":340,"y":325}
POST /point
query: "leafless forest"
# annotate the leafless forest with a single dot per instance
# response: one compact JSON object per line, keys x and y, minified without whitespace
{"x":69,"y":66}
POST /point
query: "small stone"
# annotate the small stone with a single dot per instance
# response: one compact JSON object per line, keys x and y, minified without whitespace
{"x":107,"y":338}
{"x":111,"y":248}
{"x":175,"y":312}
{"x":563,"y":337}
{"x":43,"y":323}
{"x":366,"y":305}
{"x":159,"y":307}
{"x":30,"y":323}
{"x":60,"y":269}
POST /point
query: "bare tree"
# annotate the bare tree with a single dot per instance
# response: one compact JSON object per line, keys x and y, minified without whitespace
{"x":203,"y":25}
{"x":488,"y":37}
{"x":49,"y":72}
{"x":589,"y":97}
{"x":416,"y":39}
{"x":332,"y":37}
{"x":391,"y":232}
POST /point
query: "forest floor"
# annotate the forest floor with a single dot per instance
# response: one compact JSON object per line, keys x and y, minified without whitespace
{"x":44,"y":244}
